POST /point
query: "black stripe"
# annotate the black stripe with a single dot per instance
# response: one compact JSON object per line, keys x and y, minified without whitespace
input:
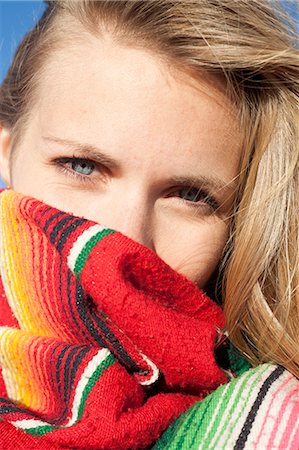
{"x":116,"y":347}
{"x":67,"y":231}
{"x":71,"y":365}
{"x":241,"y":441}
{"x":70,"y":277}
{"x":42,"y":214}
{"x":82,"y":352}
{"x":46,"y":211}
{"x":81,"y":302}
{"x":51,"y":219}
{"x":53,"y":358}
{"x":8,"y":407}
{"x":59,"y":225}
{"x":5,"y":401}
{"x":103,"y":335}
{"x":58,"y":369}
{"x":77,"y":353}
{"x":69,"y":370}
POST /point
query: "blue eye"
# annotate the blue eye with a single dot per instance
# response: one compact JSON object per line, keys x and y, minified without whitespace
{"x":196,"y":196}
{"x":82,"y":166}
{"x":81,"y":170}
{"x":191,"y":194}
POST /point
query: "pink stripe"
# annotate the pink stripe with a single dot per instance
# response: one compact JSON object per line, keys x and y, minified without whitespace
{"x":295,"y":441}
{"x":293,"y":422}
{"x":269,"y":411}
{"x":287,"y":431}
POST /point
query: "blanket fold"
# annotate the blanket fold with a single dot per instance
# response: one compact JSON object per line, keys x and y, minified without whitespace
{"x":102,"y":344}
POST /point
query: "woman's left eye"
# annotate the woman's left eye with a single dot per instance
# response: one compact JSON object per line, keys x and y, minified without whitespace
{"x":197,"y":196}
{"x":191,"y":195}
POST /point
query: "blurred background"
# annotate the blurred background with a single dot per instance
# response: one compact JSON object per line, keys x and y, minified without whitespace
{"x":18,"y":17}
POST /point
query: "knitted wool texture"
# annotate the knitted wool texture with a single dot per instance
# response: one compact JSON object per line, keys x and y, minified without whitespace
{"x":102,"y":345}
{"x":257,"y":411}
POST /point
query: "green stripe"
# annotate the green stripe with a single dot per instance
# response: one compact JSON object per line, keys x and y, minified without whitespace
{"x":223,"y":418}
{"x":189,"y":431}
{"x":83,"y":255}
{"x":92,"y":381}
{"x":254,"y":381}
{"x":169,"y":436}
{"x":186,"y":425}
{"x":223,"y":412}
{"x":202,"y":411}
{"x":39,"y":431}
{"x":178,"y":435}
{"x":44,"y":429}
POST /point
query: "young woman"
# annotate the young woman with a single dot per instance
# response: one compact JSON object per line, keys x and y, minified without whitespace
{"x":176,"y":124}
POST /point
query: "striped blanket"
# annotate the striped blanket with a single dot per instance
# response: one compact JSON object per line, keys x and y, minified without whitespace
{"x":102,"y":345}
{"x":257,"y":411}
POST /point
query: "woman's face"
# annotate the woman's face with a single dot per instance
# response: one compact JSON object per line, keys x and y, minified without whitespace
{"x":118,"y":138}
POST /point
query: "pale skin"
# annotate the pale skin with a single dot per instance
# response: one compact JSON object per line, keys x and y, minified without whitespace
{"x":164,"y":158}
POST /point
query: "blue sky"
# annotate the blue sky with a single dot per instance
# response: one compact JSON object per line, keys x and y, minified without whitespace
{"x":17,"y":17}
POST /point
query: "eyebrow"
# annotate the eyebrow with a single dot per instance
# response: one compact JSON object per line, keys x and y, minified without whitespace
{"x":87,"y":151}
{"x":94,"y":153}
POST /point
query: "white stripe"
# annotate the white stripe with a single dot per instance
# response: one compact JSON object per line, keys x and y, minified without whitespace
{"x":26,"y":424}
{"x":155,"y":370}
{"x":238,"y":416}
{"x":293,"y":404}
{"x":295,"y":429}
{"x":87,"y":374}
{"x":202,"y":445}
{"x":80,"y":243}
{"x":227,"y":424}
{"x":261,"y":432}
{"x":272,"y":405}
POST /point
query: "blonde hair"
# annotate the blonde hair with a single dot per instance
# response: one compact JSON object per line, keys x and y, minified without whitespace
{"x":251,"y":46}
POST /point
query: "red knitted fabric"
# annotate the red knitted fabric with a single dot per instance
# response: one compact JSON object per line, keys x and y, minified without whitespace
{"x":103,"y":345}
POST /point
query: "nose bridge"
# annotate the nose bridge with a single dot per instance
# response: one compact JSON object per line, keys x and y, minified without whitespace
{"x":131,"y":214}
{"x":136,"y":224}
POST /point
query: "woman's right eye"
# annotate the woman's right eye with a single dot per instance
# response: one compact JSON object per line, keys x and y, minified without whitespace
{"x":80,"y":169}
{"x":82,"y":166}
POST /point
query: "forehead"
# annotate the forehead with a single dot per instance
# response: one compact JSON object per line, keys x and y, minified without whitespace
{"x":120,"y":96}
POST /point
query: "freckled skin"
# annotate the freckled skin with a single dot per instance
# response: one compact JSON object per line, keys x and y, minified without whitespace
{"x":157,"y":125}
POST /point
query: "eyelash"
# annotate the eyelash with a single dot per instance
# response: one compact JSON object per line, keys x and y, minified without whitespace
{"x":61,"y":163}
{"x":201,"y":194}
